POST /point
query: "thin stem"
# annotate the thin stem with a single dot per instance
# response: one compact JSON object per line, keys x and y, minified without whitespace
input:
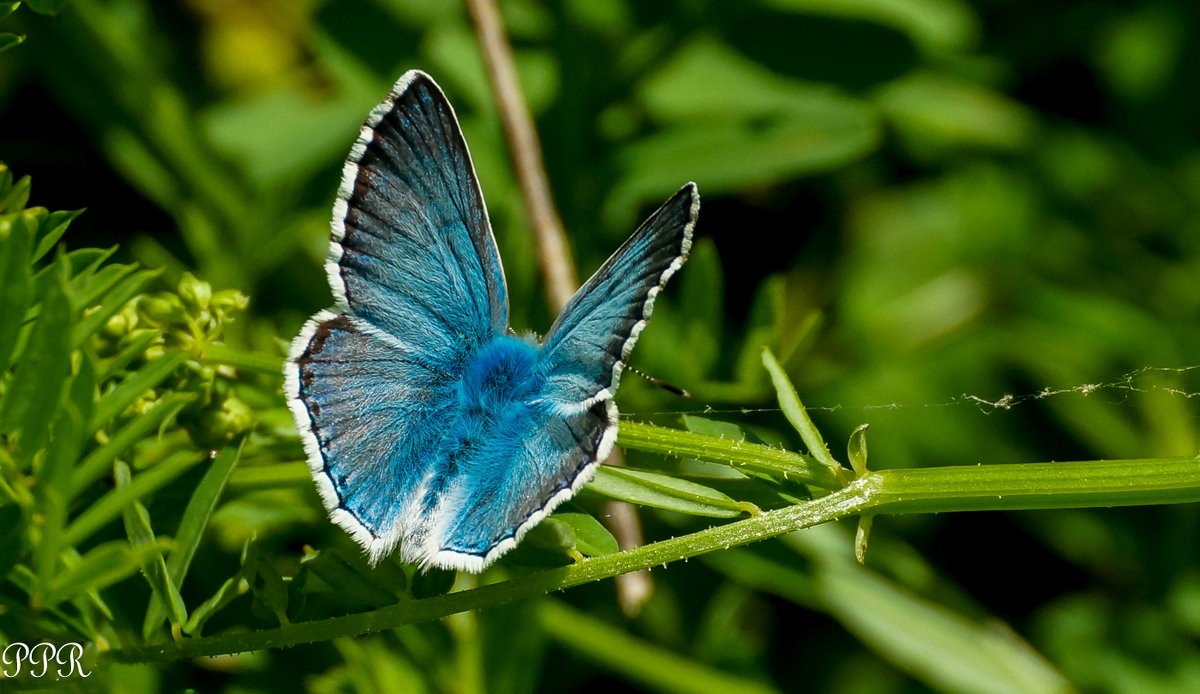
{"x":925,"y":490}
{"x":555,"y":262}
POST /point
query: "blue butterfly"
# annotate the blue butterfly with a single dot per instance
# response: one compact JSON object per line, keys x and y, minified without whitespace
{"x":428,"y":423}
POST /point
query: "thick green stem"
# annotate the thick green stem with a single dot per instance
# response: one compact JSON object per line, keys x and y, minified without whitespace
{"x":963,"y":488}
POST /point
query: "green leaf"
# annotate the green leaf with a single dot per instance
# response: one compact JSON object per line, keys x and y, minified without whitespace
{"x":110,"y":506}
{"x":200,"y":508}
{"x":134,"y":386}
{"x":154,"y":568}
{"x":7,"y":8}
{"x":134,"y":349}
{"x":592,"y":539}
{"x":8,"y":40}
{"x":344,"y":580}
{"x":938,"y":646}
{"x":229,"y":590}
{"x":51,"y":230}
{"x":794,"y":410}
{"x":12,"y":538}
{"x":113,"y":302}
{"x":16,"y":197}
{"x":102,"y":566}
{"x":94,"y":465}
{"x":66,"y":443}
{"x":741,"y":455}
{"x":713,"y":427}
{"x":45,"y":6}
{"x":16,"y":239}
{"x":662,"y":491}
{"x":640,"y":661}
{"x":33,"y":395}
{"x":856,"y":450}
{"x":266,"y":583}
{"x":194,"y":521}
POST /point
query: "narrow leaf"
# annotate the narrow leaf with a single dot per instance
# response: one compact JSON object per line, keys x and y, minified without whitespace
{"x":661,"y":491}
{"x":944,"y":649}
{"x":12,"y":538}
{"x":194,"y":521}
{"x":16,"y":197}
{"x":7,"y":8}
{"x":639,"y":661}
{"x":108,"y":507}
{"x":856,"y":450}
{"x":34,"y":393}
{"x":266,"y":582}
{"x":141,"y":534}
{"x":794,"y":410}
{"x":8,"y":40}
{"x":345,"y":581}
{"x":714,"y":427}
{"x":135,"y":348}
{"x":101,"y":459}
{"x":51,"y":230}
{"x":592,"y":539}
{"x":101,"y":567}
{"x":90,"y":286}
{"x":16,"y":238}
{"x":229,"y":590}
{"x":45,"y":6}
{"x":114,"y":301}
{"x":134,"y":386}
{"x":740,"y":455}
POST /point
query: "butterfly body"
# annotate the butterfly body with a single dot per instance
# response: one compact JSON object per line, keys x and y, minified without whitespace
{"x":428,"y":425}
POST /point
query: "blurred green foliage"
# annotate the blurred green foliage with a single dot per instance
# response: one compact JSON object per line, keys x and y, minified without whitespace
{"x":922,"y":206}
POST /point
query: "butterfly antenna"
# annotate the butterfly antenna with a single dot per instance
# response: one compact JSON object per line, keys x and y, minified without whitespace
{"x":669,"y":387}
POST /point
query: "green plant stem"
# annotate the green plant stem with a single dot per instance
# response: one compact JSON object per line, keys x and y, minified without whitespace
{"x":925,"y":490}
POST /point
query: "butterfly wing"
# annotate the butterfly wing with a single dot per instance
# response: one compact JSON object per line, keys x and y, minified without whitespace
{"x":419,"y":289}
{"x":571,"y":428}
{"x":587,"y":346}
{"x":413,"y":250}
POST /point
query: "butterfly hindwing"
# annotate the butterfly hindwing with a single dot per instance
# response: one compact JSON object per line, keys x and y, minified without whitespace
{"x":371,"y":409}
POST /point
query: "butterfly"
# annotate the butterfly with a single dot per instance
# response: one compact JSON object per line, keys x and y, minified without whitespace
{"x":427,"y":422}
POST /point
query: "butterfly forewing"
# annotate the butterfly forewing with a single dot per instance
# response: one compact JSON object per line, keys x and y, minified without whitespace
{"x":413,"y":251}
{"x":588,"y":345}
